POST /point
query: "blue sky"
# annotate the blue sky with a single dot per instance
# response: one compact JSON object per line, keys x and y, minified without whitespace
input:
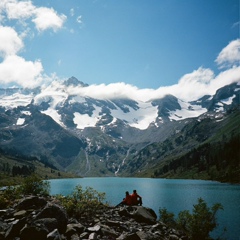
{"x":145,"y":43}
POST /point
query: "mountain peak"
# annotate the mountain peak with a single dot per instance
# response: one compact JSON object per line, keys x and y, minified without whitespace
{"x":73,"y":81}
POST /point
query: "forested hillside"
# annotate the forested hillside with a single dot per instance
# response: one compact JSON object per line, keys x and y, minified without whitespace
{"x":216,"y":161}
{"x":13,"y":169}
{"x":206,"y":149}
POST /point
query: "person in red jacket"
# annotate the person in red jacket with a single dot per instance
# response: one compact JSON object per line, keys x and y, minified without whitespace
{"x":127,"y":200}
{"x":136,"y":199}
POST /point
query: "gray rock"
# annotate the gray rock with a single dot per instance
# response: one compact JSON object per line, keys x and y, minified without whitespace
{"x":33,"y":202}
{"x":75,"y":228}
{"x":20,"y":214}
{"x":107,"y":231}
{"x":130,"y":236}
{"x":14,"y":229}
{"x":33,"y":232}
{"x":92,"y":236}
{"x":75,"y":237}
{"x":3,"y":212}
{"x":57,"y":212}
{"x":96,"y":228}
{"x":173,"y":237}
{"x":84,"y":235}
{"x":54,"y":235}
{"x":48,"y":223}
{"x":140,"y":214}
{"x":44,"y":219}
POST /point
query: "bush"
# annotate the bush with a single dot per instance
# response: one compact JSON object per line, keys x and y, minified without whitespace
{"x":167,"y":217}
{"x":7,"y":196}
{"x":31,"y":185}
{"x":82,"y":202}
{"x":35,"y":186}
{"x":197,"y":225}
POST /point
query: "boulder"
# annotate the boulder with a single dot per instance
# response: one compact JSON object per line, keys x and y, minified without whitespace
{"x":140,"y":214}
{"x":33,"y":232}
{"x":31,"y":202}
{"x":48,"y":223}
{"x":14,"y":228}
{"x":54,"y":235}
{"x":57,"y":212}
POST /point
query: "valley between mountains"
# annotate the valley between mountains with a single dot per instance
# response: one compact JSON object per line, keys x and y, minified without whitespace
{"x":64,"y":133}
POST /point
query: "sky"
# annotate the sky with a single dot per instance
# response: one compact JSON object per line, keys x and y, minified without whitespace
{"x":142,"y":48}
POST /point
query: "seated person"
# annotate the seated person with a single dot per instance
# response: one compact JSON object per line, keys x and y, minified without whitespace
{"x":136,"y":199}
{"x":127,"y":200}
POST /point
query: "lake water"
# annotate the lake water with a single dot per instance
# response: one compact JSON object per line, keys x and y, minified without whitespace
{"x":174,"y":195}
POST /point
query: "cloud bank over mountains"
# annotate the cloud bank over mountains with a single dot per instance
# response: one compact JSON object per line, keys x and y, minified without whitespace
{"x":32,"y":21}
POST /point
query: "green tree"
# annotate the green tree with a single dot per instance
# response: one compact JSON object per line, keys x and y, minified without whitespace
{"x":167,"y":217}
{"x":197,"y":224}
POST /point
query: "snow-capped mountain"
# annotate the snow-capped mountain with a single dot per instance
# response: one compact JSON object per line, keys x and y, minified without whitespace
{"x":78,"y":111}
{"x":68,"y":128}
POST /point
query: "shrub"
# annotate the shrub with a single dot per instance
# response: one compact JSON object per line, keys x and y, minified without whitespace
{"x":7,"y":196}
{"x":167,"y":217}
{"x":82,"y":202}
{"x":197,"y":225}
{"x":31,"y":185}
{"x":34,"y":185}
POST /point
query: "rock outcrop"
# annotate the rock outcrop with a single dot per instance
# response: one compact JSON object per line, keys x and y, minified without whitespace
{"x":41,"y":218}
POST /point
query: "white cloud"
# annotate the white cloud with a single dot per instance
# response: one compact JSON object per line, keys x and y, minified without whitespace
{"x":110,"y":91}
{"x":190,"y":87}
{"x":226,"y":77}
{"x":15,"y":69}
{"x":201,"y":75}
{"x":202,"y":82}
{"x":19,"y":10}
{"x":199,"y":79}
{"x":10,"y":42}
{"x":43,"y":17}
{"x":193,"y":85}
{"x":59,"y":62}
{"x":236,"y":24}
{"x":79,"y":19}
{"x":230,"y":55}
{"x":72,"y":12}
{"x":48,"y":18}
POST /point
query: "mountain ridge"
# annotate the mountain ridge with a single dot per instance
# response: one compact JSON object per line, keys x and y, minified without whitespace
{"x":99,"y":137}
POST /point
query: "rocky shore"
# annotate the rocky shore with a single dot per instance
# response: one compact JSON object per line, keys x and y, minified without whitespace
{"x":40,"y":218}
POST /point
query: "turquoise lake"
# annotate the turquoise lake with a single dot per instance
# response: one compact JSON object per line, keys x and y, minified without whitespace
{"x":175,"y":195}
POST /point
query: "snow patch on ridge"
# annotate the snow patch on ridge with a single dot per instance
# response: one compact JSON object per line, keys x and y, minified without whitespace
{"x":15,"y":100}
{"x":26,"y":112}
{"x":78,"y":99}
{"x":186,"y":111}
{"x":84,"y":120}
{"x":20,"y":121}
{"x":229,"y":100}
{"x":140,"y":118}
{"x":54,"y":115}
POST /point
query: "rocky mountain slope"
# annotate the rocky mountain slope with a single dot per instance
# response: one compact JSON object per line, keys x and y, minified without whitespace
{"x":104,"y":137}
